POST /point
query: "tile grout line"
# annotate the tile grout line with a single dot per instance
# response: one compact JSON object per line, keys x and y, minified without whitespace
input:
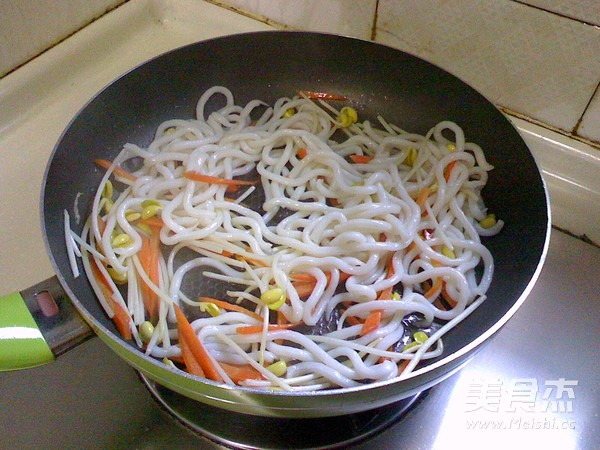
{"x":558,"y":14}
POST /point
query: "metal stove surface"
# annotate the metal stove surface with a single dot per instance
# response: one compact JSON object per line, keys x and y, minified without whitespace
{"x":536,"y":384}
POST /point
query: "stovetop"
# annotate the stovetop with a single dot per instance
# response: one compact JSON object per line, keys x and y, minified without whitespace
{"x":536,"y":384}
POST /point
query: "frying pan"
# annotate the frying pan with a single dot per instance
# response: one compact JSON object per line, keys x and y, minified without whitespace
{"x":406,"y":90}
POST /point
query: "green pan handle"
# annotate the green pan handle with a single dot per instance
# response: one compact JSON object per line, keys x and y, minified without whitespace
{"x":38,"y":324}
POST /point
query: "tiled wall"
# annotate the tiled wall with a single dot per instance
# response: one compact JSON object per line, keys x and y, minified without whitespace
{"x":539,"y":59}
{"x":28,"y":27}
{"x":536,"y":58}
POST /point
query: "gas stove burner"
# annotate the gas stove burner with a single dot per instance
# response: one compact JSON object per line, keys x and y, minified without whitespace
{"x":243,"y":431}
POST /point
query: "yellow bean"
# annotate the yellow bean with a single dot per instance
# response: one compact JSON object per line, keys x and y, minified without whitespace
{"x":289,"y":113}
{"x":145,"y":228}
{"x":146,"y":331}
{"x":420,"y":337}
{"x":411,"y":157}
{"x":488,"y":222}
{"x":274,"y":298}
{"x":131,"y":215}
{"x":210,"y":308}
{"x":150,"y":202}
{"x":278,"y":368}
{"x":348,"y":116}
{"x":107,"y":205}
{"x":410,"y":345}
{"x":118,"y":277}
{"x":150,"y":211}
{"x":447,"y":252}
{"x":121,"y":240}
{"x":107,"y":191}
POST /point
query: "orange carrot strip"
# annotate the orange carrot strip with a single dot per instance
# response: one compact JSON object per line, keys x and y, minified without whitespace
{"x":422,"y":198}
{"x":154,"y":221}
{"x":252,"y":261}
{"x":372,"y":322}
{"x":187,"y":333}
{"x":403,"y":365}
{"x":304,"y":288}
{"x":434,"y":290}
{"x":231,"y":307}
{"x":386,"y":294}
{"x":305,"y":277}
{"x":353,"y":320}
{"x":447,"y":297}
{"x":121,"y":317}
{"x":191,"y":365}
{"x":118,"y":171}
{"x":254,"y":329}
{"x":308,"y":278}
{"x":301,"y":153}
{"x":322,"y":95}
{"x":361,"y":159}
{"x":149,"y":259}
{"x":241,"y":373}
{"x":195,"y":176}
{"x":448,"y":170}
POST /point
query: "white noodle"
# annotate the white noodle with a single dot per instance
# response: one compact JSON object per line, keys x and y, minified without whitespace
{"x":334,"y":234}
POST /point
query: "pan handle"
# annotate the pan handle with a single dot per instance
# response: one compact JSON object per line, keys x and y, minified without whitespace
{"x":37,"y":325}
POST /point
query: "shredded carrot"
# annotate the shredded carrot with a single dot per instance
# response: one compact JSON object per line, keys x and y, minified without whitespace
{"x":434,"y":290}
{"x":386,"y":294}
{"x":121,"y":317}
{"x":403,"y":365}
{"x":422,"y":198}
{"x":149,"y":259}
{"x":241,"y":373}
{"x":448,"y":170}
{"x":304,"y":288}
{"x":301,"y":153}
{"x":195,"y":176}
{"x":322,"y":95}
{"x":373,"y":320}
{"x":361,"y":159}
{"x":308,"y":278}
{"x":447,"y":297}
{"x":353,"y":320}
{"x":118,"y":171}
{"x":231,"y":307}
{"x":187,"y":333}
{"x":191,"y":365}
{"x":251,"y":261}
{"x":255,"y":329}
{"x":153,"y":221}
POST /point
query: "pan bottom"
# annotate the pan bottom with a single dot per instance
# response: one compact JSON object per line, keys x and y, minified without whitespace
{"x":243,"y":431}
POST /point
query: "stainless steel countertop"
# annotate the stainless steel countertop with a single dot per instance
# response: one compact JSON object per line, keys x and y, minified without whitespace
{"x":536,"y":384}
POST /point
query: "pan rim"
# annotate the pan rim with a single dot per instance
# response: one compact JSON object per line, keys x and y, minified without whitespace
{"x":443,"y":361}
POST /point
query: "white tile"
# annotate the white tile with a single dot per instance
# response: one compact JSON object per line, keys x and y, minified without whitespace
{"x":585,"y":10}
{"x":589,"y":127}
{"x":38,"y":100}
{"x":346,"y":17}
{"x":570,"y":169}
{"x":28,"y":28}
{"x":530,"y":61}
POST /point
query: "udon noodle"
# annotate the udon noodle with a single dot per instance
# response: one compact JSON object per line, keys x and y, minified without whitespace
{"x":344,"y":250}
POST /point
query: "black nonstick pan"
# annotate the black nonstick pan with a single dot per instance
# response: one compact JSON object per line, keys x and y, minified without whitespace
{"x":376,"y":79}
